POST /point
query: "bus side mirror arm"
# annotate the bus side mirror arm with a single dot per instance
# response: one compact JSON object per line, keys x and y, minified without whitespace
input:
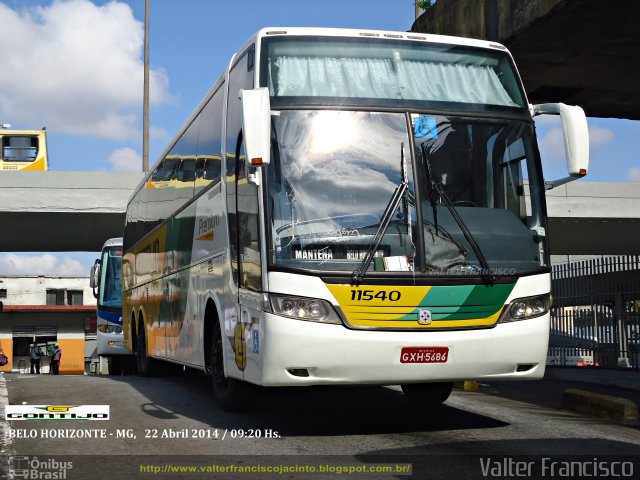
{"x":576,"y":139}
{"x":551,"y":184}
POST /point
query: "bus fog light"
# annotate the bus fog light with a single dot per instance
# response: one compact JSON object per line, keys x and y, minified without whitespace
{"x":309,"y":309}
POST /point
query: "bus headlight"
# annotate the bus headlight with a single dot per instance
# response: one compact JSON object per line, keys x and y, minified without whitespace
{"x":302,"y":308}
{"x":104,"y":328}
{"x":526,"y":307}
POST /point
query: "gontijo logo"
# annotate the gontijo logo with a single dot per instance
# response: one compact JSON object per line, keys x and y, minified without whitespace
{"x":56,"y":412}
{"x":57,"y":408}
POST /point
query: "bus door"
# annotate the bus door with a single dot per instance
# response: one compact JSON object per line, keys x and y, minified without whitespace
{"x":242,"y":322}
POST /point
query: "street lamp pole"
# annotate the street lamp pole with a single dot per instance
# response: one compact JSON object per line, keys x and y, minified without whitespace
{"x":145,"y":100}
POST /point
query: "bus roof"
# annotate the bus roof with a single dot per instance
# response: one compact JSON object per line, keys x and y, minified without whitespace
{"x":113,"y":242}
{"x":5,"y":131}
{"x":382,"y":34}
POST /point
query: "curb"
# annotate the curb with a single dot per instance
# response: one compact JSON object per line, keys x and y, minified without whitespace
{"x":617,"y":409}
{"x":625,"y":379}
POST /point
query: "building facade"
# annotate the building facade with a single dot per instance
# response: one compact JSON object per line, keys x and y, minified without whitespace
{"x":45,"y":310}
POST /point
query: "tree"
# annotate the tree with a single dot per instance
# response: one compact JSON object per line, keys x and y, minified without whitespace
{"x":425,"y":4}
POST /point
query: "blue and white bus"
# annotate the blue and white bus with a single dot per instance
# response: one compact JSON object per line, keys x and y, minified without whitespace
{"x":106,"y":281}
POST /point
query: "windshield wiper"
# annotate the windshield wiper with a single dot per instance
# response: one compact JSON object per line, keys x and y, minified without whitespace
{"x":358,"y":273}
{"x":486,"y":270}
{"x":437,"y":188}
{"x":431,"y":192}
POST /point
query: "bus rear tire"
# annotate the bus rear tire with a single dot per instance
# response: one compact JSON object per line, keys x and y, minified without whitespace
{"x":427,"y":394}
{"x":228,"y":392}
{"x":146,"y":366}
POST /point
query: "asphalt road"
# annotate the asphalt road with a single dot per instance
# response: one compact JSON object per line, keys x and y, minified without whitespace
{"x":173,"y":420}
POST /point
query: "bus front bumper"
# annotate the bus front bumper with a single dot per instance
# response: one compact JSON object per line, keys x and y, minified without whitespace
{"x":296,"y":352}
{"x":109,"y":344}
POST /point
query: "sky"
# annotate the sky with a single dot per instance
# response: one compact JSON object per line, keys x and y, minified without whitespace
{"x":76,"y":67}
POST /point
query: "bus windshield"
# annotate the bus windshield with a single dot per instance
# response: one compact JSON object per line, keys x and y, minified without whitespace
{"x":23,"y":150}
{"x":334,"y":172}
{"x":110,"y":294}
{"x":369,"y":71}
{"x":20,"y":148}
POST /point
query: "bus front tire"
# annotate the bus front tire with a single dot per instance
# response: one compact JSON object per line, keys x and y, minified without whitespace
{"x":121,"y":365}
{"x":427,"y":394}
{"x":114,"y":366}
{"x":228,"y":392}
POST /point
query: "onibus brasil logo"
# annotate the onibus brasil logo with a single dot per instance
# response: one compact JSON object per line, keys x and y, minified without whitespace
{"x":56,"y":412}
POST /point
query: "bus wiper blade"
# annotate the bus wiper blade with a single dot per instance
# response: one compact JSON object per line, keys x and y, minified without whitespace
{"x":430,"y":184}
{"x":486,"y":275}
{"x":358,"y":273}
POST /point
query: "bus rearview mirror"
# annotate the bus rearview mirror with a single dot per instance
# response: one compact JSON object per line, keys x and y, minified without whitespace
{"x":575,"y":133}
{"x":93,"y":276}
{"x":256,"y":125}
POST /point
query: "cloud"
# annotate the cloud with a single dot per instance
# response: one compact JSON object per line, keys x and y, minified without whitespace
{"x":633,"y":175}
{"x":551,"y":141}
{"x":75,"y":67}
{"x":547,"y":120}
{"x":125,"y":160}
{"x":551,"y":145}
{"x":158,"y":133}
{"x":599,"y":136}
{"x":46,"y":264}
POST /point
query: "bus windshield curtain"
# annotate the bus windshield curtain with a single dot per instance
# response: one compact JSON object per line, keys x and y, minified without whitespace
{"x":386,"y":79}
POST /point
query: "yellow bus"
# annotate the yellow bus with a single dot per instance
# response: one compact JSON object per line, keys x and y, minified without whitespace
{"x":23,"y":150}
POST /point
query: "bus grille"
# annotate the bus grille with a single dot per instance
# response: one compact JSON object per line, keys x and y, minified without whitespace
{"x":421,"y":307}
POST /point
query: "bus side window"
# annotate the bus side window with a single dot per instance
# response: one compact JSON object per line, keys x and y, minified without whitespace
{"x":187,"y":170}
{"x":209,"y":158}
{"x":248,"y":225}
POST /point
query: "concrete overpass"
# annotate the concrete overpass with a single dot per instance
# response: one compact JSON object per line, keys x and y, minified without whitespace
{"x":78,"y":211}
{"x":594,"y":218}
{"x":62,"y":211}
{"x":580,"y":52}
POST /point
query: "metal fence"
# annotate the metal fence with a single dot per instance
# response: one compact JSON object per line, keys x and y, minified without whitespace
{"x":595,"y":318}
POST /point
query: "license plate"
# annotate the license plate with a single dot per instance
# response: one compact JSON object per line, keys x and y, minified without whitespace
{"x":424,"y":355}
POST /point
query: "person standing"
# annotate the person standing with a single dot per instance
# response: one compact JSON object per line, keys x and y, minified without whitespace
{"x":55,"y":360}
{"x":36,"y":354}
{"x":49,"y":353}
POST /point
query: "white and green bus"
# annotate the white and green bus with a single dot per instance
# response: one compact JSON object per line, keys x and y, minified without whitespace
{"x":349,"y":207}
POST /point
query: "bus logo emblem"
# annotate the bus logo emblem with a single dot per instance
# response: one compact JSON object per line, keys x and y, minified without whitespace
{"x":424,"y":317}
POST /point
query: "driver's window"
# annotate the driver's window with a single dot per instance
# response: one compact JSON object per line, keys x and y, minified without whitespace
{"x":509,"y":185}
{"x":248,"y":227}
